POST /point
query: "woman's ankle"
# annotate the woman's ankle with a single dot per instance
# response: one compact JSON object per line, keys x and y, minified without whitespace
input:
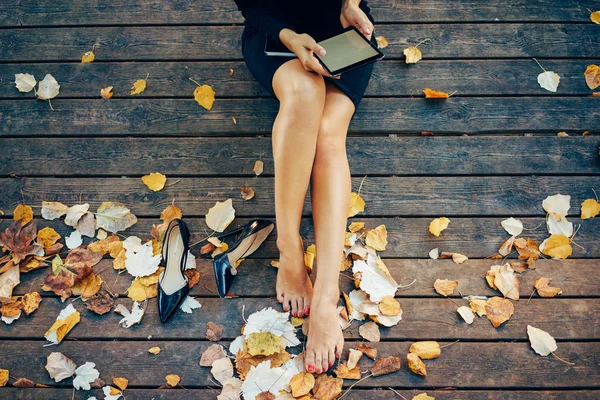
{"x":290,"y":244}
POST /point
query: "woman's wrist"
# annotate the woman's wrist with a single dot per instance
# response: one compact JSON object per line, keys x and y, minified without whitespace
{"x":285,"y":35}
{"x":350,"y":3}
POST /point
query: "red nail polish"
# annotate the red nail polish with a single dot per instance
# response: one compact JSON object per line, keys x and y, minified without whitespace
{"x":330,"y":364}
{"x":318,"y":371}
{"x":294,"y":313}
{"x":311,"y":368}
{"x":307,"y":311}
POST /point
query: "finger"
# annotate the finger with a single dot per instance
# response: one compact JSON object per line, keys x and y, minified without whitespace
{"x":311,"y":45}
{"x":316,"y":66}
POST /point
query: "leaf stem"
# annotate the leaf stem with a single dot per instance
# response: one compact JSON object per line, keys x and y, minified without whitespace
{"x":355,"y":383}
{"x":539,"y":65}
{"x":422,"y":41}
{"x":565,"y":361}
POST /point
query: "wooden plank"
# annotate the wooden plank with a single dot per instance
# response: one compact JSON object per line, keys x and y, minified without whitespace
{"x":434,"y":318}
{"x":390,"y":78}
{"x":354,"y":394}
{"x":457,"y":155}
{"x":572,"y":276}
{"x":407,"y":237}
{"x":224,"y":42}
{"x":501,"y":195}
{"x":132,"y":12}
{"x":385,"y":115}
{"x":462,"y":365}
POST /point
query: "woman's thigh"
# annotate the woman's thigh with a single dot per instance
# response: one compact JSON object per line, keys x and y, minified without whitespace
{"x":291,"y":80}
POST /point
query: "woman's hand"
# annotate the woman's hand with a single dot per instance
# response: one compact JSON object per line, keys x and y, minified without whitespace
{"x":303,"y":45}
{"x":353,"y":15}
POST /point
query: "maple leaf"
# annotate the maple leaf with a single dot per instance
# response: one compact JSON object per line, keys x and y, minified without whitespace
{"x":25,"y":82}
{"x":154,"y":181}
{"x":426,"y":350}
{"x":114,"y":217}
{"x":386,"y":365}
{"x":357,"y":204}
{"x":220,"y":215}
{"x":438,"y":225}
{"x":85,"y":374}
{"x":130,"y":318}
{"x":541,"y":341}
{"x":211,"y":354}
{"x":415,"y":364}
{"x":17,"y":239}
{"x":65,"y":274}
{"x":205,"y":96}
{"x":48,"y":88}
{"x":592,"y":76}
{"x":59,"y":366}
{"x":189,"y":304}
{"x":445,"y":287}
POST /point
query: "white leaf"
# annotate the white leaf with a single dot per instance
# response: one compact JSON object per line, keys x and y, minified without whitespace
{"x":220,"y":215}
{"x":263,"y":378}
{"x":52,"y":335}
{"x":130,"y":318}
{"x":389,"y":320}
{"x":53,"y":209}
{"x":75,"y":213}
{"x":513,"y":226}
{"x":114,"y":217}
{"x":108,"y":396}
{"x":269,"y":320}
{"x":374,"y":280}
{"x":222,"y":369}
{"x":237,"y":344}
{"x":549,"y":80}
{"x":357,"y":297}
{"x":541,"y":341}
{"x":434,"y":254}
{"x":48,"y":88}
{"x":132,"y":243}
{"x":466,"y":314}
{"x":231,"y":389}
{"x":506,"y":281}
{"x":25,"y":82}
{"x":60,"y":367}
{"x":142,"y":263}
{"x":74,"y":239}
{"x":559,"y":225}
{"x":86,"y":374}
{"x":558,"y":204}
{"x":189,"y":304}
{"x":10,"y":320}
{"x":353,"y":358}
{"x":8,"y":280}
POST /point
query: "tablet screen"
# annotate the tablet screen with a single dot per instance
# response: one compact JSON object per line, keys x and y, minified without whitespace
{"x":346,"y":49}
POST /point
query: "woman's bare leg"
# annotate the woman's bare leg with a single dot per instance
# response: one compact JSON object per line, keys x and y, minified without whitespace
{"x":302,"y":96}
{"x":330,"y":196}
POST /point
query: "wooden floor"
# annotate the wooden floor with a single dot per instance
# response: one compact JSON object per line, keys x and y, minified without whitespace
{"x":495,"y":154}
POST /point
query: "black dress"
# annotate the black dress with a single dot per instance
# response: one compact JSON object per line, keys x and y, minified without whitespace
{"x":320,"y":19}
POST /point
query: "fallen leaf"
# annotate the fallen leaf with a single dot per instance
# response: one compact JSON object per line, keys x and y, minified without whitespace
{"x":4,"y":375}
{"x":342,"y":371}
{"x":434,"y":254}
{"x":466,"y":314}
{"x":438,"y":225}
{"x":121,"y":383}
{"x":423,"y":396}
{"x":73,"y":240}
{"x":23,"y":383}
{"x":88,"y":57}
{"x":263,"y":343}
{"x":87,"y":287}
{"x":18,"y":240}
{"x":172,"y":379}
{"x":205,"y":96}
{"x":377,"y":238}
{"x":477,"y":306}
{"x":220,"y":215}
{"x":190,"y":303}
{"x":114,"y":217}
{"x":557,"y":246}
{"x":445,"y":287}
{"x":66,"y":320}
{"x":459,"y":258}
{"x":246,"y":192}
{"x":353,"y":357}
{"x":513,"y":226}
{"x":506,"y":281}
{"x":60,"y":367}
{"x":357,"y":204}
{"x":106,"y":93}
{"x":52,"y":210}
{"x":302,"y":383}
{"x":498,"y":310}
{"x":386,"y":365}
{"x":101,"y":303}
{"x":48,"y":88}
{"x":549,"y":80}
{"x":222,"y":369}
{"x":23,"y":213}
{"x":541,"y":341}
{"x":85,"y":374}
{"x":258,"y":167}
{"x":389,"y":306}
{"x":592,"y":76}
{"x":590,"y":208}
{"x":211,"y":354}
{"x":47,"y":237}
{"x":111,"y":393}
{"x":155,"y":181}
{"x":138,"y":87}
{"x":415,"y":364}
{"x":154,"y":350}
{"x":327,"y":387}
{"x":412,"y":54}
{"x":382,"y":42}
{"x":595,"y":17}
{"x":367,"y":350}
{"x":8,"y":281}
{"x":213,"y":332}
{"x":132,"y":317}
{"x":25,"y":82}
{"x":527,"y":249}
{"x":369,"y":331}
{"x":142,"y":262}
{"x":31,"y":302}
{"x":541,"y":284}
{"x":426,"y":350}
{"x":433,"y":94}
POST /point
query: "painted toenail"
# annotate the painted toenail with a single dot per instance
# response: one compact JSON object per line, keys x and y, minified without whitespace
{"x":294,"y":313}
{"x":311,"y":368}
{"x":330,"y":364}
{"x":318,"y":371}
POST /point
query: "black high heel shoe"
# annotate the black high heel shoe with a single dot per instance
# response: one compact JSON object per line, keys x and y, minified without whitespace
{"x":253,"y":235}
{"x":173,"y":285}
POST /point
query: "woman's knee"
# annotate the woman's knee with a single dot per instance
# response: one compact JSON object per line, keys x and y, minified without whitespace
{"x":293,"y":84}
{"x":331,"y":138}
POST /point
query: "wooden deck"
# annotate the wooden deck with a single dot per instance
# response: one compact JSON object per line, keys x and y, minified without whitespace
{"x":495,"y":154}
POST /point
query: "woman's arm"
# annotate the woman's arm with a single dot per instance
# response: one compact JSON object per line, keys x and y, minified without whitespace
{"x":269,"y":20}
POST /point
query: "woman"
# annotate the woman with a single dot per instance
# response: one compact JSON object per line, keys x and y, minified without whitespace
{"x":309,"y":145}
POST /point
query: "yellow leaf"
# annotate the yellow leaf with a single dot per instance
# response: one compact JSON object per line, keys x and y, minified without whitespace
{"x":138,"y":87}
{"x":541,"y":284}
{"x":377,"y":238}
{"x":138,"y":292}
{"x":459,"y":258}
{"x":154,"y":350}
{"x":88,"y":287}
{"x":258,"y":167}
{"x":31,"y":302}
{"x":106,"y":93}
{"x":309,"y":259}
{"x":426,"y":350}
{"x":121,"y":383}
{"x":170,"y":213}
{"x":155,"y":181}
{"x":220,"y":215}
{"x":438,"y":225}
{"x":589,"y":208}
{"x":432,"y":94}
{"x":61,"y":327}
{"x":357,"y":204}
{"x":205,"y":96}
{"x":342,"y":371}
{"x":382,"y":42}
{"x":389,"y":306}
{"x":172,"y":379}
{"x":592,"y":76}
{"x":296,"y":321}
{"x":445,"y":287}
{"x":477,"y":306}
{"x":558,"y":246}
{"x":263,"y":343}
{"x":119,"y":261}
{"x":302,"y":383}
{"x":595,"y":17}
{"x":23,"y":213}
{"x":356,"y":226}
{"x":423,"y":396}
{"x":230,"y":71}
{"x":3,"y":377}
{"x":498,"y":310}
{"x":88,"y":57}
{"x":413,"y":55}
{"x":415,"y":364}
{"x":47,"y":237}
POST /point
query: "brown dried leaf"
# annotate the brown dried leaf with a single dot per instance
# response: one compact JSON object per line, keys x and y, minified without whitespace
{"x":327,"y":387}
{"x":121,"y":383}
{"x":65,"y":274}
{"x":101,"y":303}
{"x":211,"y":354}
{"x":213,"y":332}
{"x":23,"y":383}
{"x":367,"y":350}
{"x":342,"y":371}
{"x":541,"y":284}
{"x":389,"y":306}
{"x":370,"y":331}
{"x":246,"y":192}
{"x":498,"y":310}
{"x":31,"y":302}
{"x":592,"y":76}
{"x":244,"y":360}
{"x":18,"y":240}
{"x":527,"y":249}
{"x":87,"y":287}
{"x":386,"y":365}
{"x":445,"y":287}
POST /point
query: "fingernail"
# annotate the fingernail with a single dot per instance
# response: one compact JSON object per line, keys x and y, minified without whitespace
{"x":311,"y":368}
{"x":322,"y":52}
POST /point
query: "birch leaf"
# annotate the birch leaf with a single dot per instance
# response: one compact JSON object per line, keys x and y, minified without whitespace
{"x":205,"y":96}
{"x":155,"y":181}
{"x":52,"y":210}
{"x":25,"y":82}
{"x":370,"y":331}
{"x":357,"y":204}
{"x":74,"y":213}
{"x":438,"y":225}
{"x":445,"y":287}
{"x":557,"y":246}
{"x":258,"y":167}
{"x":427,"y":350}
{"x":220,"y":215}
{"x":513,"y":226}
{"x":85,"y":374}
{"x":66,"y":320}
{"x":412,"y":54}
{"x":48,"y":88}
{"x":589,"y":208}
{"x":549,"y":80}
{"x":222,"y":369}
{"x":466,"y":314}
{"x":138,"y":87}
{"x":541,"y":341}
{"x":88,"y":57}
{"x":114,"y":217}
{"x":592,"y":76}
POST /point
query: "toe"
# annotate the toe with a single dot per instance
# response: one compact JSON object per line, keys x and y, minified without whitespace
{"x":339,"y":348}
{"x":306,"y":305}
{"x":331,"y":356}
{"x":324,"y":361}
{"x":286,"y":303}
{"x":309,"y":361}
{"x":299,"y":307}
{"x":294,"y":304}
{"x":318,"y":363}
{"x":280,"y":296}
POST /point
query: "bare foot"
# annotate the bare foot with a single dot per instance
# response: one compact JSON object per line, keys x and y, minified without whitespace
{"x":325,"y":339}
{"x":294,"y":288}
